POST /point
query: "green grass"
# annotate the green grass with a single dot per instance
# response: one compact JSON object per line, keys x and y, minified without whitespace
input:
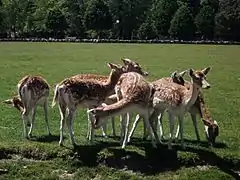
{"x":41,"y":158}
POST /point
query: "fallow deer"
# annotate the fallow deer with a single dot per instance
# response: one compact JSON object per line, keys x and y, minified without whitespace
{"x":32,"y":91}
{"x":199,"y":107}
{"x":129,"y":66}
{"x":75,"y":91}
{"x":136,"y":96}
{"x":177,"y":99}
{"x":174,"y":78}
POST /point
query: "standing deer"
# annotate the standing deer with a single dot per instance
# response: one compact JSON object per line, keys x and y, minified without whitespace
{"x":135,"y":96}
{"x":32,"y":91}
{"x":199,"y":107}
{"x":87,"y":93}
{"x":177,"y":99}
{"x":129,"y":66}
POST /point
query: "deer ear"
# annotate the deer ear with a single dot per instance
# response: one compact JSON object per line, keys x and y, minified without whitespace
{"x":126,"y":61}
{"x":8,"y":101}
{"x":191,"y":72}
{"x":182,"y":73}
{"x":215,"y":122}
{"x":91,"y":111}
{"x":206,"y":70}
{"x":174,"y":74}
{"x":112,"y":66}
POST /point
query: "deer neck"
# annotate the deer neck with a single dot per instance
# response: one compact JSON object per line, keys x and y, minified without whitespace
{"x":192,"y":94}
{"x":206,"y":118}
{"x":112,"y":79}
{"x":115,"y":109}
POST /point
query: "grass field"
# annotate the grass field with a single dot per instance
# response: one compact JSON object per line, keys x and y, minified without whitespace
{"x":41,"y":158}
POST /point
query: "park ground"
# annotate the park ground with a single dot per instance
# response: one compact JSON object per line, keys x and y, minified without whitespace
{"x":42,"y":158}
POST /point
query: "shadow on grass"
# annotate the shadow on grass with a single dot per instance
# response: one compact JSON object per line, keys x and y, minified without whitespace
{"x":45,"y":138}
{"x":154,"y":161}
{"x":210,"y":158}
{"x":87,"y":155}
{"x":218,"y":145}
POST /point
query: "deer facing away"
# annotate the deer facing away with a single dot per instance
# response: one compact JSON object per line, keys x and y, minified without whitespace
{"x":32,"y":91}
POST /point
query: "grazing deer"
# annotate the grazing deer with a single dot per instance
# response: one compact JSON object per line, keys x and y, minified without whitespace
{"x":199,"y":107}
{"x":130,"y":66}
{"x":136,"y":96}
{"x":87,"y":93}
{"x":211,"y":128}
{"x":32,"y":91}
{"x":177,"y":99}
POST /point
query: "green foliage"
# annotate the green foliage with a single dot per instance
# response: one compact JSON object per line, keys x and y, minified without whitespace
{"x":126,"y":19}
{"x":74,"y":13}
{"x":163,"y":11}
{"x":228,"y":20}
{"x":56,"y":23}
{"x":97,"y":16}
{"x":182,"y":24}
{"x":205,"y":22}
{"x":147,"y":30}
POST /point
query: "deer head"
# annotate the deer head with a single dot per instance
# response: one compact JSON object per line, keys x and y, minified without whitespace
{"x":132,"y":66}
{"x":15,"y":102}
{"x":95,"y":114}
{"x":178,"y":77}
{"x":212,"y":132}
{"x":199,"y":77}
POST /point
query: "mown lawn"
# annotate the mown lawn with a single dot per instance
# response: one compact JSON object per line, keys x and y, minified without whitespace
{"x":41,"y":158}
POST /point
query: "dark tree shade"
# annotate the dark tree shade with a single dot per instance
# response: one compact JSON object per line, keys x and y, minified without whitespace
{"x":56,"y":22}
{"x":124,"y":19}
{"x":97,"y":15}
{"x":228,"y":20}
{"x":182,"y":24}
{"x":205,"y":22}
{"x":163,"y":11}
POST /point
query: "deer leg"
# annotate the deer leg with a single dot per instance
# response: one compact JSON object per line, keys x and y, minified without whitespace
{"x":160,"y":124}
{"x":113,"y":127}
{"x":33,"y":120}
{"x":89,"y":124}
{"x":62,"y":110}
{"x":123,"y":123}
{"x":151,"y":130}
{"x":25,"y":118}
{"x":171,"y":120}
{"x":135,"y":123}
{"x":177,"y":133}
{"x":69,"y":125}
{"x":194,"y":120}
{"x":46,"y":117}
{"x":153,"y":127}
{"x":180,"y":119}
{"x":128,"y":117}
{"x":104,"y":129}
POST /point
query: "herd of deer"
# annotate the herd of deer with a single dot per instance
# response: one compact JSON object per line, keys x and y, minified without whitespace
{"x":124,"y":92}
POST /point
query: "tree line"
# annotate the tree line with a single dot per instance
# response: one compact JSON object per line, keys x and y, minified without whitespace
{"x":121,"y":19}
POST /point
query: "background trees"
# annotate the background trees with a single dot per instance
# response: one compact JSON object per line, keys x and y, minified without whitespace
{"x":124,"y":19}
